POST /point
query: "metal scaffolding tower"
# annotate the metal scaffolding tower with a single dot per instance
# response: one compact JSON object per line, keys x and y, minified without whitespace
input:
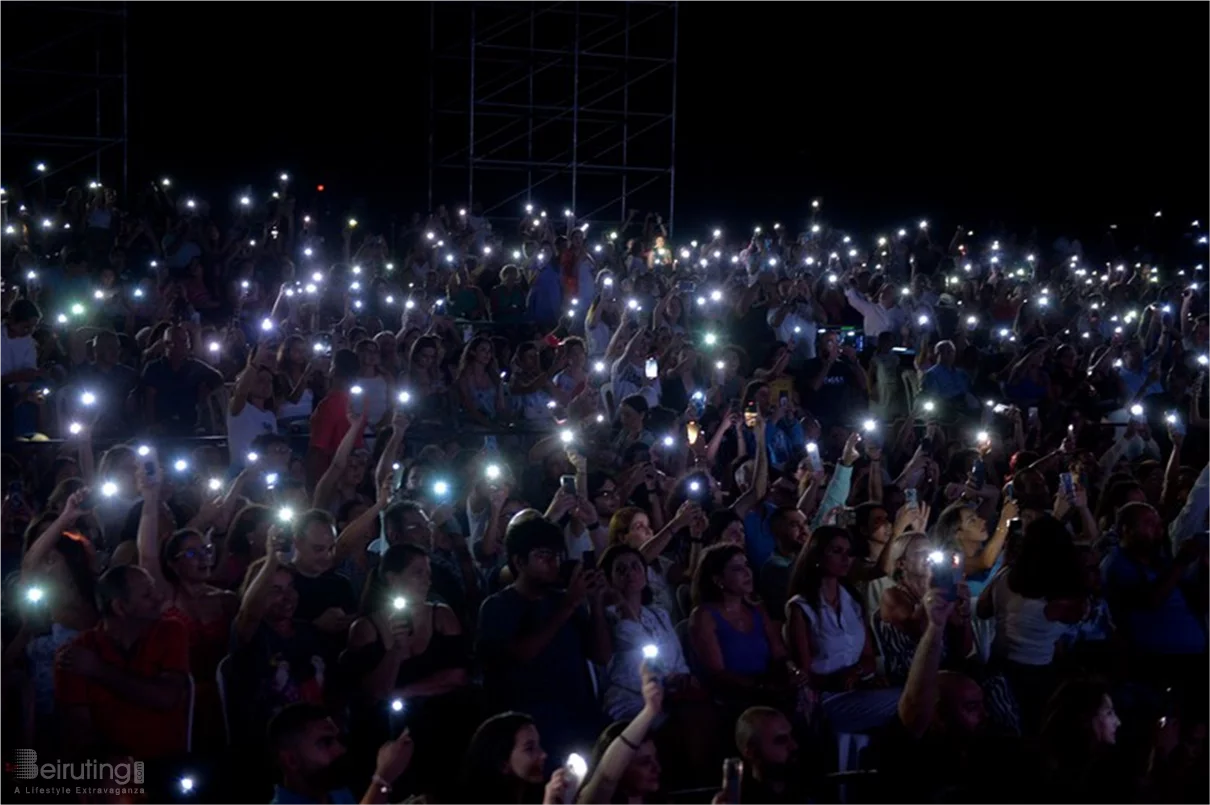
{"x":562,"y":103}
{"x":65,"y":93}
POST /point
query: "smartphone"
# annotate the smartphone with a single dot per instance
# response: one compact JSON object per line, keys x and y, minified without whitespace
{"x":783,"y":399}
{"x":751,"y":411}
{"x":846,"y":518}
{"x":589,"y":560}
{"x":910,"y":498}
{"x":568,"y":484}
{"x":566,"y":568}
{"x":1033,"y":413}
{"x":978,"y":473}
{"x":686,"y":286}
{"x":490,"y":444}
{"x":733,"y":778}
{"x":1009,"y":493}
{"x":946,"y":573}
{"x":652,"y":369}
{"x":1069,"y":485}
{"x":699,"y":402}
{"x":816,"y":459}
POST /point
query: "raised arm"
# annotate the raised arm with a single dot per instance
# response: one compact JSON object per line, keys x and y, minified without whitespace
{"x":148,"y":537}
{"x":50,"y":535}
{"x":920,"y":692}
{"x":323,"y":489}
{"x":603,"y":784}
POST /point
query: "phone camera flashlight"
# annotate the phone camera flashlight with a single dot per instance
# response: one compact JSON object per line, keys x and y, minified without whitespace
{"x":577,"y":765}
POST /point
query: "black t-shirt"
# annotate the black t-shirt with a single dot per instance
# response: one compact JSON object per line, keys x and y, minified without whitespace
{"x":319,"y":593}
{"x":272,"y":670}
{"x":178,"y":391}
{"x":940,"y":768}
{"x":836,"y":398}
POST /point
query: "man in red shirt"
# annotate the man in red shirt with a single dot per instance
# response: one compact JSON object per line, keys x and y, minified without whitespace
{"x":122,"y":687}
{"x":331,"y":419}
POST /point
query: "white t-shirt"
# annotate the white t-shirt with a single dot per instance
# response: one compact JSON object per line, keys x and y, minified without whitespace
{"x":836,"y":639}
{"x":302,"y":408}
{"x":1023,"y":633}
{"x":17,"y":353}
{"x":245,"y":426}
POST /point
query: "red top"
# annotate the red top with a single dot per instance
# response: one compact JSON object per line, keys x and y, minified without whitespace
{"x":330,"y":422}
{"x":123,"y":727}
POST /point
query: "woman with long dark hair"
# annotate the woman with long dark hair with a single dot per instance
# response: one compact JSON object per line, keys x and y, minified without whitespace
{"x":738,"y":652}
{"x":1034,"y":602}
{"x":55,"y":593}
{"x":1078,"y":746}
{"x":181,"y":564}
{"x":405,"y":648}
{"x":505,"y":762}
{"x":830,"y":639}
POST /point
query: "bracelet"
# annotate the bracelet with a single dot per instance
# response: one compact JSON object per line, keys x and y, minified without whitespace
{"x":383,"y":786}
{"x":622,"y":737}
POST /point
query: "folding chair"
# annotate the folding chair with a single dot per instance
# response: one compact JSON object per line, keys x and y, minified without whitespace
{"x":220,"y":678}
{"x":189,"y":719}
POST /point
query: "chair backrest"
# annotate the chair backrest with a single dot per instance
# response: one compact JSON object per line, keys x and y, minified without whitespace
{"x":189,"y":719}
{"x":220,"y":678}
{"x":607,"y":398}
{"x":911,"y":387}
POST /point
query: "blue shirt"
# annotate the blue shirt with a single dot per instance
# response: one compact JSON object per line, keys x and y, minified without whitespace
{"x":284,"y":796}
{"x":782,"y":438}
{"x":1135,"y":380}
{"x":545,"y":300}
{"x":758,"y":539}
{"x":1170,"y":628}
{"x":945,"y":382}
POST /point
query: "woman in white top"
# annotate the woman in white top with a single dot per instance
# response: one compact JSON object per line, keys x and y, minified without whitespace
{"x":298,"y":383}
{"x":1034,"y":600}
{"x":251,"y":411}
{"x":376,"y":388}
{"x":830,"y":639}
{"x":636,"y":626}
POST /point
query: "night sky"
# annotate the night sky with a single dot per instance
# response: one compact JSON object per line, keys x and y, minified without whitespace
{"x":1062,"y":116}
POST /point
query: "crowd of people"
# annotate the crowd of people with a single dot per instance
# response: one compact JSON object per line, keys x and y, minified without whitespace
{"x":561,"y":511}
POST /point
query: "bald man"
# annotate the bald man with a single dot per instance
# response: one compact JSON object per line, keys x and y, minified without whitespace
{"x":174,"y":386}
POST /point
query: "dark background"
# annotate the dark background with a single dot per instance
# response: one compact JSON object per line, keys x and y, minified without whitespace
{"x":1065,"y":116}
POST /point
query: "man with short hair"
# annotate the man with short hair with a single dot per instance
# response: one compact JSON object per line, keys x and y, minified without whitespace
{"x":305,"y":743}
{"x":944,"y":382}
{"x":535,"y":638}
{"x":122,"y":686}
{"x":325,"y":598}
{"x":19,"y":364}
{"x":790,"y":532}
{"x":175,"y":384}
{"x":1144,"y":591}
{"x":110,"y":381}
{"x":764,"y":738}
